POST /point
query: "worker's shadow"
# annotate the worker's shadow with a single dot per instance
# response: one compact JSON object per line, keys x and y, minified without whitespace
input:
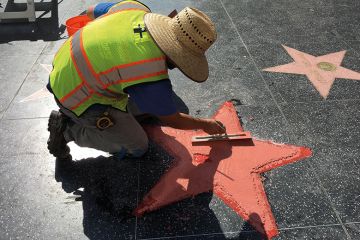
{"x":180,"y":104}
{"x":110,"y":190}
{"x":44,"y":28}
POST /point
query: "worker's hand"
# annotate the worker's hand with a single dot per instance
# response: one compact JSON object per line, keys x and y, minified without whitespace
{"x":184,"y":121}
{"x":212,"y":126}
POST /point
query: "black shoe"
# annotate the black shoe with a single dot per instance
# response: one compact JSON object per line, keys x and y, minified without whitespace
{"x":56,"y":143}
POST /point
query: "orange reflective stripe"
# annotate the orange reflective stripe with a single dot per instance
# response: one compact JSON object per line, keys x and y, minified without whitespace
{"x":89,"y":66}
{"x":139,"y":77}
{"x":98,"y":83}
{"x":75,"y":96}
{"x":133,"y":70}
{"x":85,"y":90}
{"x":73,"y":50}
{"x":80,"y":102}
{"x":128,"y":72}
{"x":63,"y":99}
{"x":132,"y":64}
{"x":84,"y":67}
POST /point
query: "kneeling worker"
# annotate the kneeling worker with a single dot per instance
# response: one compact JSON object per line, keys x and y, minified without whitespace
{"x":115,"y":68}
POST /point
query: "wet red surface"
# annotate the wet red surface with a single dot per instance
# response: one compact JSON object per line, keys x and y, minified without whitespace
{"x":231,"y":169}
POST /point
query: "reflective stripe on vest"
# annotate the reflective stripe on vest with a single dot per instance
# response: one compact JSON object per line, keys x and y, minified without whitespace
{"x":84,"y":67}
{"x":134,"y":71}
{"x":97,"y":83}
{"x":77,"y":96}
{"x":128,"y":5}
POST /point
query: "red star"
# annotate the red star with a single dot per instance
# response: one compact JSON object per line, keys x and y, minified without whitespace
{"x":229,"y":168}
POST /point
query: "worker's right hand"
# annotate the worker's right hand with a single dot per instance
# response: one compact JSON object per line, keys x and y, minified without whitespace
{"x":212,"y":126}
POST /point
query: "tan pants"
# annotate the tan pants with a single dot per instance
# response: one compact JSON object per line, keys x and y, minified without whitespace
{"x":126,"y":136}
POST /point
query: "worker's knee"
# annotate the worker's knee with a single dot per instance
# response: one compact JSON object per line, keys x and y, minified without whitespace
{"x":140,"y":149}
{"x":134,"y":152}
{"x":138,"y":153}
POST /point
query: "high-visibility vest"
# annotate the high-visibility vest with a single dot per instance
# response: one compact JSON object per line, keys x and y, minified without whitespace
{"x":99,"y":61}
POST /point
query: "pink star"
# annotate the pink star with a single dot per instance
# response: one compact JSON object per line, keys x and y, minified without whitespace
{"x":43,"y":92}
{"x":321,"y":71}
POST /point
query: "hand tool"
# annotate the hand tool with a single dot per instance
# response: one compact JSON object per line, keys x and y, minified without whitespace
{"x":222,"y":137}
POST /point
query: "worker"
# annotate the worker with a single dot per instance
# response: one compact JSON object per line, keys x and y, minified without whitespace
{"x":116,"y":68}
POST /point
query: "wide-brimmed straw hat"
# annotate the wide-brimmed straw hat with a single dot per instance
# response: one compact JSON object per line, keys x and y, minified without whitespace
{"x":184,"y":40}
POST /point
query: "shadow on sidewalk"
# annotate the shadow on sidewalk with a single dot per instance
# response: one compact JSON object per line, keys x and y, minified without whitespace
{"x":44,"y":28}
{"x":108,"y":189}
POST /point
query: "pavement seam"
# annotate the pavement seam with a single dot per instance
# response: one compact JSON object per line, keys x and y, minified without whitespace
{"x":137,"y":199}
{"x":196,"y":235}
{"x":311,"y":226}
{"x":329,"y":199}
{"x":349,"y":223}
{"x":18,"y":90}
{"x":341,"y":38}
{"x":24,"y":118}
{"x":292,"y":134}
{"x":245,"y":231}
{"x":326,"y":101}
{"x":254,"y":63}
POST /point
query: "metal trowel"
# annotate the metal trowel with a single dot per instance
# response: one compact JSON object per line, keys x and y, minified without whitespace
{"x":222,"y":137}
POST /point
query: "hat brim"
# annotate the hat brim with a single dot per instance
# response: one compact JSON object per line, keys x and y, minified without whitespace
{"x":194,"y":66}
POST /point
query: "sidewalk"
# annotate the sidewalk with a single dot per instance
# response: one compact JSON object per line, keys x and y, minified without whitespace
{"x":315,"y":198}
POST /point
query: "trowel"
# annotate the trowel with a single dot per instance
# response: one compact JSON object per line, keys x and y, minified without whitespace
{"x":222,"y":137}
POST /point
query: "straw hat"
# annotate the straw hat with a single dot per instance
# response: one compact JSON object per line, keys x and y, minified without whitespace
{"x":184,"y":39}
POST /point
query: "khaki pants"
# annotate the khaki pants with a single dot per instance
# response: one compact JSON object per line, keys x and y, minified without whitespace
{"x":126,"y":136}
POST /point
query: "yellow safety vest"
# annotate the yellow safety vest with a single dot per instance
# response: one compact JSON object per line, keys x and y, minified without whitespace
{"x":109,"y":54}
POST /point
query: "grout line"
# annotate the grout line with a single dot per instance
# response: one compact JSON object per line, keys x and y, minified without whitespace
{"x":18,"y":54}
{"x":137,"y":199}
{"x":348,"y":223}
{"x":325,"y":101}
{"x":25,"y":118}
{"x":329,"y":199}
{"x":256,"y":66}
{"x":341,"y":38}
{"x":248,"y":231}
{"x":292,"y":134}
{"x":310,"y":226}
{"x":196,"y":235}
{"x":18,"y":90}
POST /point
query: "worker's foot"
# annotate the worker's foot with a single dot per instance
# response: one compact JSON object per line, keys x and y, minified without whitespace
{"x":56,"y":143}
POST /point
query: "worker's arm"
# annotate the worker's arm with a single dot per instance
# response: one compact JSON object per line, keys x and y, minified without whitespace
{"x":184,"y":121}
{"x":156,"y":99}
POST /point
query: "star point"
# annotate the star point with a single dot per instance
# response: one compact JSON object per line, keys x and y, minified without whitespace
{"x":43,"y":92}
